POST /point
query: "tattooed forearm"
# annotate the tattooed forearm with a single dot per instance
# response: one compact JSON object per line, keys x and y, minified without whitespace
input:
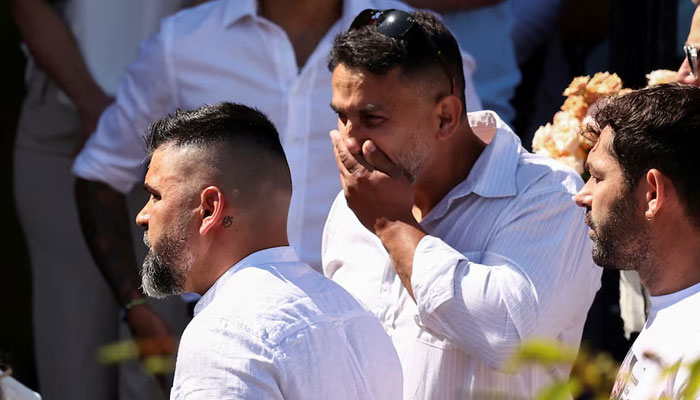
{"x":104,"y":220}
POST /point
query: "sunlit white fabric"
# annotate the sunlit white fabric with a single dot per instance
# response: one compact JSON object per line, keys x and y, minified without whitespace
{"x":507,"y":259}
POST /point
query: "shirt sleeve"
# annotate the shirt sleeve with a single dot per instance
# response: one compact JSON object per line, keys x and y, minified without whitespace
{"x":116,"y":151}
{"x":219,"y":359}
{"x":536,"y":272}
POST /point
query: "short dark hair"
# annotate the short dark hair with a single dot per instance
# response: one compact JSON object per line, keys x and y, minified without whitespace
{"x":657,"y":127}
{"x":367,"y":48}
{"x":229,"y":127}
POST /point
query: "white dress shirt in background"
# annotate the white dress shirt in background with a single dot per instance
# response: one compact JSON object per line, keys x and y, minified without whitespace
{"x":272,"y":328}
{"x":223,"y":51}
{"x":507,"y":259}
{"x":108,"y":33}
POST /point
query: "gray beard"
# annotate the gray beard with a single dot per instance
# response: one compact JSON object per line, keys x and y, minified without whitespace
{"x":167,"y":264}
{"x":412,"y":157}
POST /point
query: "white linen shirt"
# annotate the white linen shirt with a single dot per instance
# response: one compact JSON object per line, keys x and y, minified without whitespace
{"x":507,"y":258}
{"x":223,"y":51}
{"x":271,"y":327}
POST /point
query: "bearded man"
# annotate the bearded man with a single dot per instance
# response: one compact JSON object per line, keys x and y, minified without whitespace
{"x":643,"y":210}
{"x":267,"y":325}
{"x":458,"y":239}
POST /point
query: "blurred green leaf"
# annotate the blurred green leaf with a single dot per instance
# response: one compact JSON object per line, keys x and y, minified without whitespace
{"x":539,"y":351}
{"x":560,"y":391}
{"x":158,"y":365}
{"x":117,"y":352}
{"x":691,"y":388}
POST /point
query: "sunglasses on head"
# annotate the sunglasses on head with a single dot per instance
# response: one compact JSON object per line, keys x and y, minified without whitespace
{"x":691,"y":53}
{"x":401,"y":25}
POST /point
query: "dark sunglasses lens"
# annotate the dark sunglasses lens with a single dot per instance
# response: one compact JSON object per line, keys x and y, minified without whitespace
{"x":395,"y":23}
{"x":362,"y":19}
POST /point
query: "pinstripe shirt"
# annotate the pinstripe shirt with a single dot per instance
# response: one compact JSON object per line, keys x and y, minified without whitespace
{"x":507,"y":258}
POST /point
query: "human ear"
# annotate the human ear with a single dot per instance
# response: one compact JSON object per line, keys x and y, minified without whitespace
{"x":657,"y":191}
{"x":449,"y":110}
{"x":212,"y":208}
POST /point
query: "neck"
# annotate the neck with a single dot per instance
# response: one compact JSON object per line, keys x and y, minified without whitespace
{"x":227,"y":250}
{"x":675,"y":263}
{"x":304,"y":21}
{"x":449,"y":166}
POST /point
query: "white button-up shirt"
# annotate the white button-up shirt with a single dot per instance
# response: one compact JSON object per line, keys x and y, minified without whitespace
{"x":223,"y":51}
{"x":507,"y":259}
{"x":271,"y":327}
{"x":108,"y":32}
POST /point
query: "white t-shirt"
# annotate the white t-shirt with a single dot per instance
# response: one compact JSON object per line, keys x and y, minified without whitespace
{"x":670,"y":335}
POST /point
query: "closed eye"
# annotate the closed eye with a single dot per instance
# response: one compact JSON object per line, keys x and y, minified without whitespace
{"x":342,"y":117}
{"x":372,"y":120}
{"x":154,"y":194}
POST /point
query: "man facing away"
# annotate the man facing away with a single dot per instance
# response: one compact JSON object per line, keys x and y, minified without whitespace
{"x":643,"y":210}
{"x":267,"y":325}
{"x":460,"y":241}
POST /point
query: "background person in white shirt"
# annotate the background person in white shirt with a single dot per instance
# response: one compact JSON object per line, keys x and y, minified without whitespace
{"x":268,"y":325}
{"x":78,"y":50}
{"x":643,"y":208}
{"x":269,"y":54}
{"x":460,"y":241}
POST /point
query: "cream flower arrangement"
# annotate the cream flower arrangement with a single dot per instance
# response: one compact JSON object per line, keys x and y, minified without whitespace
{"x":561,"y":139}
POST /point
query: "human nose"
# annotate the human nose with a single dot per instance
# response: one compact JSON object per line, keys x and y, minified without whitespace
{"x":352,"y":136}
{"x":584,"y":196}
{"x":142,"y":217}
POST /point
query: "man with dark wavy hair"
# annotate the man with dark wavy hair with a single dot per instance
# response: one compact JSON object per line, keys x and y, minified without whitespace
{"x":643,"y":210}
{"x":268,"y":326}
{"x":461,"y":242}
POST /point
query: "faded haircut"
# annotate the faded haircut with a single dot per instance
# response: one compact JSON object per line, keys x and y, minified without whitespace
{"x":223,"y":130}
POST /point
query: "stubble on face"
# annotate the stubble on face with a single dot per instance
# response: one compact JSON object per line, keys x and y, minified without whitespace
{"x":168,"y":261}
{"x":621,"y":241}
{"x":413,"y":156}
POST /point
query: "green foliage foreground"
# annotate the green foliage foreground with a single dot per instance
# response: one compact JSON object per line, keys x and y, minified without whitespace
{"x":592,"y":375}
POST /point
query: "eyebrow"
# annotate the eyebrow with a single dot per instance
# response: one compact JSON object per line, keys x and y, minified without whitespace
{"x":589,"y":167}
{"x":366,"y":109}
{"x":149,"y":188}
{"x":370,"y":108}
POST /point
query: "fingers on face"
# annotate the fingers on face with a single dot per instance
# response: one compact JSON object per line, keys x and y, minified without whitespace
{"x":348,"y":163}
{"x":377,"y":158}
